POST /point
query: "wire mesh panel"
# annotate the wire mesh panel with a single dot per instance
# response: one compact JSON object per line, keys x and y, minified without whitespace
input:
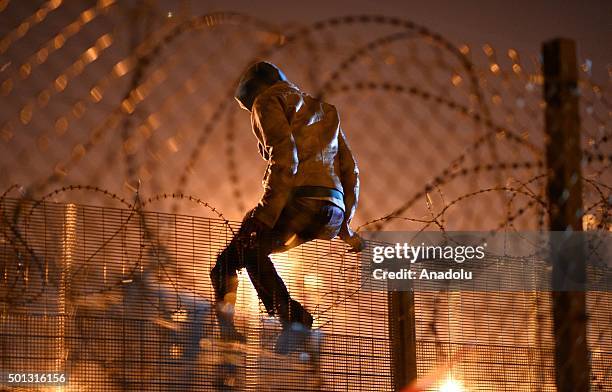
{"x":120,"y":300}
{"x":503,"y":341}
{"x":103,"y":100}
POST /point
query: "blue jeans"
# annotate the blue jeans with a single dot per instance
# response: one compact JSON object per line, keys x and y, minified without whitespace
{"x":302,"y":220}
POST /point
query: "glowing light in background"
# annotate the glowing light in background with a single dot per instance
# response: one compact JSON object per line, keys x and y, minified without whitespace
{"x":313,"y":287}
{"x":247,"y":318}
{"x":451,"y":385}
{"x":589,"y":222}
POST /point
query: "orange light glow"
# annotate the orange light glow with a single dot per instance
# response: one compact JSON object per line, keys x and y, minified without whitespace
{"x":451,"y":385}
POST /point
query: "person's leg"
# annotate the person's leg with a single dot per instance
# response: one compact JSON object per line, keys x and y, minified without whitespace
{"x":253,"y":253}
{"x":225,"y":284}
{"x":223,"y":275}
{"x":310,"y":219}
{"x":329,"y":220}
{"x":272,"y":290}
{"x":295,"y":319}
{"x":323,"y":221}
{"x":301,"y":221}
{"x":296,"y":225}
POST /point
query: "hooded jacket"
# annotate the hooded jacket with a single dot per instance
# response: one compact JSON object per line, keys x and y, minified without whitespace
{"x":304,"y":145}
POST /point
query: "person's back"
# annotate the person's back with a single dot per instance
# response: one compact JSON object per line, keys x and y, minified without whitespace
{"x":314,"y":126}
{"x":323,"y":158}
{"x":311,"y":189}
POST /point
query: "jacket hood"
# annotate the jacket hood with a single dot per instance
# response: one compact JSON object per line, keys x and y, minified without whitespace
{"x":255,"y":80}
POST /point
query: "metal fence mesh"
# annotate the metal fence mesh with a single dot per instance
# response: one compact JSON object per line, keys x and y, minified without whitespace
{"x":115,"y":97}
{"x":121,"y":301}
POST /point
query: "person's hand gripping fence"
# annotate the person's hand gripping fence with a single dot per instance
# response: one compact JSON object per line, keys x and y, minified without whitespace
{"x":352,"y":239}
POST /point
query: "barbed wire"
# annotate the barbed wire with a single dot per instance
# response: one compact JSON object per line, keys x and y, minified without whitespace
{"x":436,"y":128}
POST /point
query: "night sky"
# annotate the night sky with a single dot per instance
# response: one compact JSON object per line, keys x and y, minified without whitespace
{"x":519,"y":24}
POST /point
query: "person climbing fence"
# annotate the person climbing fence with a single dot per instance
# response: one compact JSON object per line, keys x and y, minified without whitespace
{"x":311,"y":189}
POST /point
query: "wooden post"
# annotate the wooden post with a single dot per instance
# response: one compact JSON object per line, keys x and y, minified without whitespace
{"x":564,"y":156}
{"x":403,"y":338}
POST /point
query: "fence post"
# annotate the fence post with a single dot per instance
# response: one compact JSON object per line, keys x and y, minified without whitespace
{"x":563,"y":158}
{"x":403,"y":338}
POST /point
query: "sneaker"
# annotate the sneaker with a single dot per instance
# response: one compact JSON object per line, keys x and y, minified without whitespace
{"x":225,"y":317}
{"x":292,"y":338}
